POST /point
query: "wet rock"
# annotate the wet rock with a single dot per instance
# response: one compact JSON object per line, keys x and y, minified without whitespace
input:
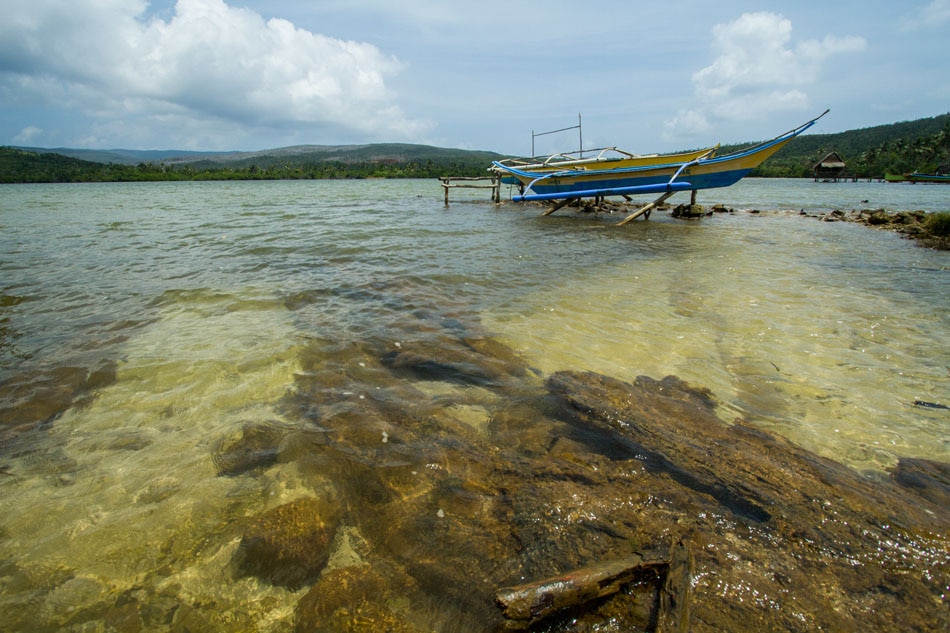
{"x":835,"y":216}
{"x":927,"y":229}
{"x":349,"y":599}
{"x":363,"y":616}
{"x":498,"y":353}
{"x":461,"y":550}
{"x":290,"y":544}
{"x":432,"y":362}
{"x":39,"y":397}
{"x":159,"y":489}
{"x":73,"y":599}
{"x":689,"y":211}
{"x":442,"y":347}
{"x":518,"y":427}
{"x":929,"y":479}
{"x":347,"y":387}
{"x":128,"y":440}
{"x":783,"y":539}
{"x":604,"y":403}
{"x":442,"y":523}
{"x":874,"y":218}
{"x":255,"y":447}
{"x":591,"y":469}
{"x":188,"y":618}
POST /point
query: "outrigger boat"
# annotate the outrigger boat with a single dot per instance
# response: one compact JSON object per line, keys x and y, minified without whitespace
{"x":657,"y":174}
{"x":918,"y":177}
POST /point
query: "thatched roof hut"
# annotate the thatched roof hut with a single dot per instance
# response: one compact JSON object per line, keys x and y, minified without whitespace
{"x":831,"y":167}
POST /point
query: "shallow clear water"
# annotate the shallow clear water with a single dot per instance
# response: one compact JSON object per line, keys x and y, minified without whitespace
{"x":200,"y":307}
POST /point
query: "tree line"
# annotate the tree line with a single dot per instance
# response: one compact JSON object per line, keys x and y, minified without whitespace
{"x":19,"y":166}
{"x":922,"y":145}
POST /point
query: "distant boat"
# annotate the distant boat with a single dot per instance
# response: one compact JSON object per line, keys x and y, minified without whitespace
{"x":663,"y":175}
{"x":918,"y":177}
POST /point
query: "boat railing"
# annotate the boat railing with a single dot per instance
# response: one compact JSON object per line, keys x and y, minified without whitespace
{"x":579,"y":155}
{"x":564,"y":159}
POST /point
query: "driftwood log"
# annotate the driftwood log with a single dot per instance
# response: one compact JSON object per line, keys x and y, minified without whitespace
{"x":525,"y":605}
{"x":674,"y":598}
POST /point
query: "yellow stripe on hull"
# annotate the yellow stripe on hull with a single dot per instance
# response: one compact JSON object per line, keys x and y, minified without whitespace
{"x":614,"y":162}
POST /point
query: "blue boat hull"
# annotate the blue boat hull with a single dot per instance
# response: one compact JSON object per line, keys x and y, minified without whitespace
{"x":696,"y":181}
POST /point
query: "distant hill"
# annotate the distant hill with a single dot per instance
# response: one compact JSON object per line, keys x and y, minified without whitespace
{"x":381,"y":160}
{"x":296,"y":155}
{"x":921,"y":145}
{"x":122,"y":156}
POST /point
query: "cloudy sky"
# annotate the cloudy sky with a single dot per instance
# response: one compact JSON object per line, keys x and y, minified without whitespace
{"x":645,"y":76}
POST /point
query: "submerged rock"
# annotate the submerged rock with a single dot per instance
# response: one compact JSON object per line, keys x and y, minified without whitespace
{"x":36,"y":398}
{"x":349,"y":599}
{"x":783,"y":539}
{"x":583,"y":469}
{"x":689,"y":211}
{"x":290,"y":544}
{"x":462,"y":362}
{"x":927,"y":478}
{"x":256,"y":446}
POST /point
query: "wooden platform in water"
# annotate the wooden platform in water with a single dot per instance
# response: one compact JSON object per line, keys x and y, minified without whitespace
{"x":472,"y":182}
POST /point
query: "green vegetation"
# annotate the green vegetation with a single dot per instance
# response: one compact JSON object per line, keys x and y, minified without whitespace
{"x":371,"y":161}
{"x":938,"y":224}
{"x":922,"y":145}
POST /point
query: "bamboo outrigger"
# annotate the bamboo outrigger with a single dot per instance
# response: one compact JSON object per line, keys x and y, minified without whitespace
{"x":564,"y":180}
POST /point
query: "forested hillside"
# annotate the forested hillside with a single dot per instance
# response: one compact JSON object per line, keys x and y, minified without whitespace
{"x":371,"y":161}
{"x":921,"y":145}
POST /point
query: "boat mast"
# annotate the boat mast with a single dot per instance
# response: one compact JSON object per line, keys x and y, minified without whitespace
{"x":580,"y":136}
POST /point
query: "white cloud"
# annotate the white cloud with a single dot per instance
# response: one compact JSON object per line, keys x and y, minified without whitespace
{"x":758,"y":70}
{"x":27,"y":135}
{"x":934,"y":15}
{"x":687,"y":123}
{"x":210,"y":65}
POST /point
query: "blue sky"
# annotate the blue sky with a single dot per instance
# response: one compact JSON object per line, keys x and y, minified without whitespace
{"x":645,"y":76}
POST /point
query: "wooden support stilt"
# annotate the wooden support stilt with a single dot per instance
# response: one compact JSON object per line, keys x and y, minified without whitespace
{"x":692,"y":198}
{"x":557,"y":206}
{"x":645,"y":208}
